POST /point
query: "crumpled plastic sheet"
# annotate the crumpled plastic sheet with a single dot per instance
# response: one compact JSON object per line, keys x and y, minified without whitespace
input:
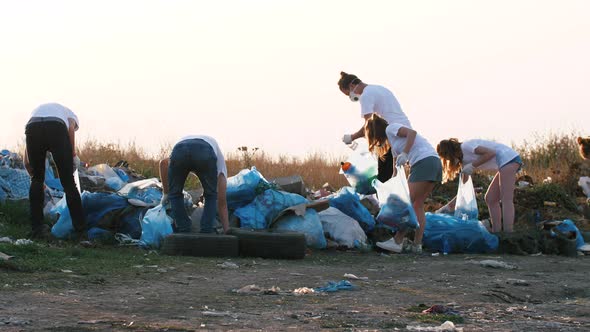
{"x":16,"y":183}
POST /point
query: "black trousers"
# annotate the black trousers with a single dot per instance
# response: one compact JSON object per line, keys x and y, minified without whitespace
{"x":52,"y":136}
{"x":385,"y":167}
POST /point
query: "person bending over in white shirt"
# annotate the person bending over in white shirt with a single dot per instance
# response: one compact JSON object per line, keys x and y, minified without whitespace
{"x":425,"y":169}
{"x":478,"y":154}
{"x":373,"y":99}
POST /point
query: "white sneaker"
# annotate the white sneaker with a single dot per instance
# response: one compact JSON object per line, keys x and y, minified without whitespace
{"x":390,"y":245}
{"x":416,"y":248}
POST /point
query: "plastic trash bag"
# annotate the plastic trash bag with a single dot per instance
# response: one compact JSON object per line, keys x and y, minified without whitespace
{"x":394,"y":199}
{"x":569,"y":226}
{"x":112,"y":179}
{"x":96,"y":205}
{"x":310,"y":225}
{"x":63,"y":228}
{"x":466,"y":203}
{"x":343,"y":229}
{"x":147,"y":191}
{"x":243,"y":187}
{"x":347,"y":201}
{"x":156,"y":224}
{"x":445,"y":233}
{"x":16,"y":183}
{"x":265,"y":207}
{"x":584,"y":182}
{"x":360,"y":170}
{"x":96,"y":233}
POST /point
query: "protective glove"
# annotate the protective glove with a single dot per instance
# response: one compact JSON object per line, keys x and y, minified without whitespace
{"x":164,"y":199}
{"x":402,"y":159}
{"x":76,"y":163}
{"x":347,"y":139}
{"x":468,"y":169}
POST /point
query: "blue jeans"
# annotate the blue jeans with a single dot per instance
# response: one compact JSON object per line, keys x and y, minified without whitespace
{"x":197,"y":156}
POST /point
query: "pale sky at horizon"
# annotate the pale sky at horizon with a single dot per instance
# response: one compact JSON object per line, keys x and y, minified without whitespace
{"x":263,"y":73}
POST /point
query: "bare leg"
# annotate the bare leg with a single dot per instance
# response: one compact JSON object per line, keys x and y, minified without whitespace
{"x":419,"y":191}
{"x":493,"y":201}
{"x":507,"y":185}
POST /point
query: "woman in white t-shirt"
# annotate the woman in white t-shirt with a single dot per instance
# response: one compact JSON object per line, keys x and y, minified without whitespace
{"x":373,"y":99}
{"x":425,"y":169}
{"x":478,"y":154}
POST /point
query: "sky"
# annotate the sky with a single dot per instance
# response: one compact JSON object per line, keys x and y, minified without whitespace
{"x":264,"y":73}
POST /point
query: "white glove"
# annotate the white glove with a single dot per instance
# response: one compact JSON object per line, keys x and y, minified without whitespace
{"x":76,"y":163}
{"x":402,"y":159}
{"x":347,"y":139}
{"x":468,"y":169}
{"x":164,"y":199}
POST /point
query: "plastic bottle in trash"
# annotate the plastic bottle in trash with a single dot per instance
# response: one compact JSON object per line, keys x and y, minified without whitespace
{"x":446,"y":246}
{"x":353,"y":145}
{"x":347,"y":167}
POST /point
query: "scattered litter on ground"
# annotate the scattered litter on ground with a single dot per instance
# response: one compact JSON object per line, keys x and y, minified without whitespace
{"x":23,"y":242}
{"x":517,"y":282}
{"x":6,"y":240}
{"x":219,"y":314}
{"x":14,"y":321}
{"x":228,"y":265}
{"x":303,"y":291}
{"x":354,"y":277}
{"x":67,"y":271}
{"x":447,"y":326}
{"x":254,"y":289}
{"x":4,"y":257}
{"x":494,"y":264}
{"x":333,"y":286}
{"x":441,"y":310}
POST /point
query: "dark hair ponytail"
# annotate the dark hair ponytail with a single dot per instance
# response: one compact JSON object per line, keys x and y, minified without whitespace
{"x":346,"y":80}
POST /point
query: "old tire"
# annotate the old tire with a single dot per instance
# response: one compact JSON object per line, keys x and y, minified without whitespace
{"x":200,"y":245}
{"x":270,"y":244}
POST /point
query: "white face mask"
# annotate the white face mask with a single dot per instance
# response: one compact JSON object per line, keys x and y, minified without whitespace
{"x":353,"y":96}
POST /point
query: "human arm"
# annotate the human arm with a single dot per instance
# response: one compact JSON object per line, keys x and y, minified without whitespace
{"x":361,"y":132}
{"x":483,"y":156}
{"x":222,"y":201}
{"x":401,"y":131}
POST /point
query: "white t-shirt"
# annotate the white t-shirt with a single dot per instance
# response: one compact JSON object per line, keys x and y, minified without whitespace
{"x":56,"y":110}
{"x":221,"y":167}
{"x":378,"y":99}
{"x":504,"y":153}
{"x":420,"y":150}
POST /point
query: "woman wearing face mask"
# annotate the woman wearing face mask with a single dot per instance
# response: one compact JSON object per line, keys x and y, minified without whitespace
{"x":373,"y":99}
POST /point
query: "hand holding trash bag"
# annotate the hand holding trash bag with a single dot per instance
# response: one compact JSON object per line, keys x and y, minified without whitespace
{"x":76,"y":163}
{"x":402,"y":159}
{"x":164,"y":200}
{"x":468,"y":169}
{"x":347,"y":139}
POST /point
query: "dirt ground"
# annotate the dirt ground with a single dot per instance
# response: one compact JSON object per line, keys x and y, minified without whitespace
{"x":542,"y":293}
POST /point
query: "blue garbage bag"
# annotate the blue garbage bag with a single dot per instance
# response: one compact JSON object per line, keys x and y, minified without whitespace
{"x":265,"y":207}
{"x":569,"y":226}
{"x":445,"y":233}
{"x":243,"y":187}
{"x":50,"y":180}
{"x":96,"y":205}
{"x":397,"y":214}
{"x":130,"y":223}
{"x":310,"y":225}
{"x":121,"y":173}
{"x":347,"y":201}
{"x":156,"y":224}
{"x":63,"y":228}
{"x":18,"y":181}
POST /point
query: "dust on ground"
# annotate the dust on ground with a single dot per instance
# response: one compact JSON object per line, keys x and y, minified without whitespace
{"x":542,"y":293}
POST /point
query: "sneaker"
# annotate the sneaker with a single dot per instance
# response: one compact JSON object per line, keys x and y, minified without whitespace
{"x":416,"y":248}
{"x":390,"y":245}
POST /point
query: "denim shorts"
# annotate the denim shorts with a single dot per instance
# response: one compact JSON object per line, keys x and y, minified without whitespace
{"x":516,"y":159}
{"x":428,"y":169}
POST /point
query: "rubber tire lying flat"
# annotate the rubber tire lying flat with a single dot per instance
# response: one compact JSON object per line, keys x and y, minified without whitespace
{"x":200,"y":245}
{"x":270,"y":244}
